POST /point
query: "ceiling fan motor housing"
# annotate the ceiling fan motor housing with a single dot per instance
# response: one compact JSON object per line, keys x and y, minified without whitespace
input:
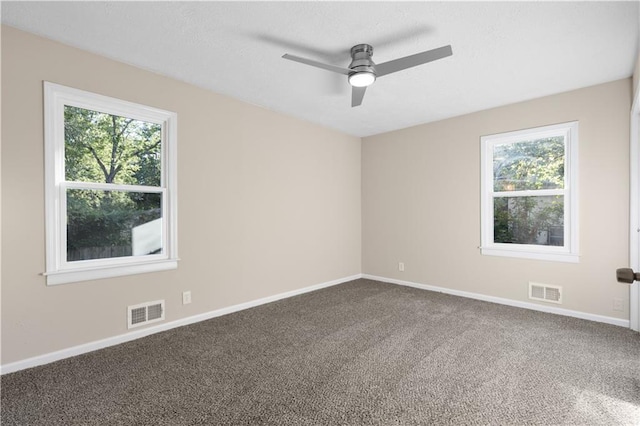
{"x":361,"y":59}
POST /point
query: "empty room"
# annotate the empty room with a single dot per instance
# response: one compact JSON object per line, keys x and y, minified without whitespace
{"x":320,"y":213}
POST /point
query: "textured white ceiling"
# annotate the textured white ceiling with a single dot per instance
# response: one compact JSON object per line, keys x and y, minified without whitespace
{"x":502,"y":52}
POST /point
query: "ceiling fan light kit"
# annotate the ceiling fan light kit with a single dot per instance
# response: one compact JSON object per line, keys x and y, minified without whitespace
{"x":362,"y":71}
{"x":362,"y":79}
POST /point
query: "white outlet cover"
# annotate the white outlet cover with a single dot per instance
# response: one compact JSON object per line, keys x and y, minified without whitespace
{"x":617,"y":305}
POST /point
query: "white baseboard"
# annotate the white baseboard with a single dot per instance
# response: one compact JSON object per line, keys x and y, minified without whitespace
{"x":502,"y":301}
{"x":122,"y":338}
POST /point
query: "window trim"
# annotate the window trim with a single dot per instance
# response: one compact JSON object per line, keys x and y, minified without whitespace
{"x":58,"y":270}
{"x":568,"y":252}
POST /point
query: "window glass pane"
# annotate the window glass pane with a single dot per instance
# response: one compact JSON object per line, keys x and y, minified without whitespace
{"x":527,"y":165}
{"x":529,"y":220}
{"x":105,"y":224}
{"x":106,"y":148}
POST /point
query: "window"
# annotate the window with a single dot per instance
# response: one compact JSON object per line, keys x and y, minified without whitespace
{"x":529,"y":193}
{"x":110,"y":176}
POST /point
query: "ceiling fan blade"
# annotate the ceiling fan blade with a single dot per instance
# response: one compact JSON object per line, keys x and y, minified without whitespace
{"x":339,"y":70}
{"x":357,"y":93}
{"x":412,"y":60}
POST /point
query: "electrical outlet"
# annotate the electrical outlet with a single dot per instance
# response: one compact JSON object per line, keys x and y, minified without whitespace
{"x":617,"y":305}
{"x":186,"y":297}
{"x":401,"y":266}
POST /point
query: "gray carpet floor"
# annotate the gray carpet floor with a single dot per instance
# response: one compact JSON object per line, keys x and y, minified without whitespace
{"x":360,"y":353}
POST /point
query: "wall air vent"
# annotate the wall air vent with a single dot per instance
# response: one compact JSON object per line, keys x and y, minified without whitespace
{"x":545,"y":292}
{"x":145,"y":313}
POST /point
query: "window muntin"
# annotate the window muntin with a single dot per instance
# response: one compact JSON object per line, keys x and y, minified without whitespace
{"x":529,"y":195}
{"x":111,"y":190}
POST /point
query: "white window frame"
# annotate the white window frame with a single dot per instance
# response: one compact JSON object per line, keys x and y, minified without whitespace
{"x":568,"y":252}
{"x":58,"y":270}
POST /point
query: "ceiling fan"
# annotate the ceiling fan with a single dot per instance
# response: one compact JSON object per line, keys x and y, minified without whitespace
{"x":362,"y":71}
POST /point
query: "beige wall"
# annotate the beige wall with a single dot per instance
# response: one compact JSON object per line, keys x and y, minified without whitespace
{"x":636,"y":77}
{"x":267,"y":203}
{"x":421,"y":201}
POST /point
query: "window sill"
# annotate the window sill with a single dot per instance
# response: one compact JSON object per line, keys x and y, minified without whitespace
{"x":72,"y":276}
{"x":554,"y":257}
